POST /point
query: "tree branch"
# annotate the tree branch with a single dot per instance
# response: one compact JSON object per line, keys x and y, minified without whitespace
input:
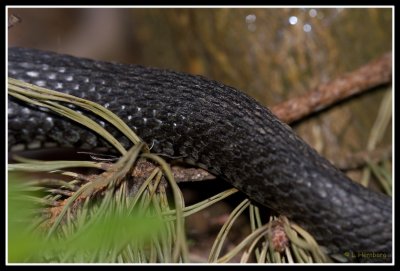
{"x":375,"y":73}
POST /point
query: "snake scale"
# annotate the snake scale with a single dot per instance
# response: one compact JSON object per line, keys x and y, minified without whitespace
{"x":216,"y":127}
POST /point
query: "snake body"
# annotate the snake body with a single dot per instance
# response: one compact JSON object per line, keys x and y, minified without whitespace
{"x":217,"y":127}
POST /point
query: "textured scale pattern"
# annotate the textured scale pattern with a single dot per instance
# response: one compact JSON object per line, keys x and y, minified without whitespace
{"x":214,"y":126}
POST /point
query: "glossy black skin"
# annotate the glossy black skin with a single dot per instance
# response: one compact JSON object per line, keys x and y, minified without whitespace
{"x":214,"y":126}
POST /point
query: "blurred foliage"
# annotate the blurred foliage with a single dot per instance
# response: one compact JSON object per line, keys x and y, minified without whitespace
{"x":94,"y":235}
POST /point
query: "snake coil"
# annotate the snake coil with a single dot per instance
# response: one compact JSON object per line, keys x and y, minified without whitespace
{"x":214,"y":126}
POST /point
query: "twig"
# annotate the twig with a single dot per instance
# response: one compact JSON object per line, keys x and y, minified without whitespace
{"x":183,"y":174}
{"x":375,"y":73}
{"x":144,"y":168}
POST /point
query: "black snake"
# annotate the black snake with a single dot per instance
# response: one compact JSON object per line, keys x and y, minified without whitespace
{"x":214,"y":126}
